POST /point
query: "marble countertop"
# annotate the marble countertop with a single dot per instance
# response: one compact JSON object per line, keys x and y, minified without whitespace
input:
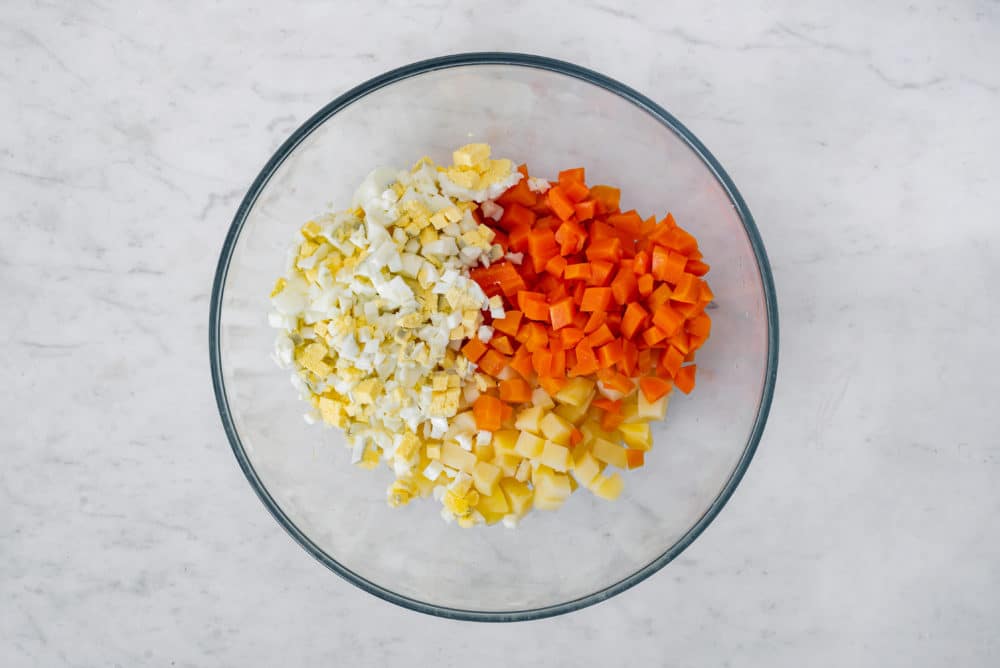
{"x":864,"y":139}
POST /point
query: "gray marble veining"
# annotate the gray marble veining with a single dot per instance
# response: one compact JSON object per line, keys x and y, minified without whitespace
{"x":864,"y":138}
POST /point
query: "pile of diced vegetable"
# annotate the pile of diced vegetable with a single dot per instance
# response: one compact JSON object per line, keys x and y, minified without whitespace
{"x":499,"y":340}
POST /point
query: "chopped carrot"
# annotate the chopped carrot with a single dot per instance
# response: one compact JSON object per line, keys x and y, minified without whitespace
{"x":667,"y":319}
{"x":502,"y":344}
{"x":634,"y":458}
{"x":580,"y":271}
{"x":541,"y":361}
{"x":474,"y":349}
{"x":610,"y":421}
{"x":608,"y":405}
{"x":653,"y":335}
{"x":606,"y":197}
{"x":552,"y":385}
{"x":515,"y":390}
{"x":596,"y":299}
{"x":659,"y":297}
{"x":521,"y":363}
{"x":684,"y":379}
{"x":493,"y":362}
{"x":556,"y":266}
{"x":600,"y":272}
{"x":515,"y":216}
{"x":696,"y":267}
{"x":653,"y":387}
{"x":610,"y":353}
{"x":600,"y":336}
{"x":570,"y":336}
{"x":560,"y":203}
{"x":645,"y":284}
{"x":542,"y":247}
{"x":634,"y":318}
{"x":586,"y":361}
{"x":487,"y":411}
{"x":624,"y":288}
{"x":520,"y":193}
{"x":605,"y":249}
{"x":509,"y":323}
{"x":594,"y":322}
{"x":585,"y":210}
{"x":533,"y":305}
{"x":575,"y":436}
{"x":537,"y":336}
{"x":575,"y":191}
{"x":574,"y":175}
{"x":670,"y":362}
{"x":561,"y":313}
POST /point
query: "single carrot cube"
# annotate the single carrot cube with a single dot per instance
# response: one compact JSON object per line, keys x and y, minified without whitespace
{"x":561,"y":313}
{"x":493,"y":362}
{"x":487,"y":411}
{"x":684,"y":379}
{"x":634,"y":318}
{"x":645,"y":284}
{"x":560,"y":204}
{"x":595,"y":299}
{"x":515,"y":390}
{"x":653,"y":387}
{"x":474,"y":349}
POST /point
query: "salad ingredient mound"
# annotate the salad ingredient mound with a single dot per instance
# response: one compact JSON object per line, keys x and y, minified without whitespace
{"x":498,"y":340}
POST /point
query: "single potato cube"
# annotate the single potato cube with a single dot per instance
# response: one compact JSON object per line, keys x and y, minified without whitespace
{"x":555,"y":428}
{"x":484,"y":453}
{"x":576,"y":392}
{"x":608,"y":487}
{"x":485,"y":477}
{"x":518,"y":495}
{"x":587,"y":469}
{"x":454,"y":456}
{"x":556,"y":456}
{"x":547,"y":503}
{"x":508,"y":463}
{"x":655,"y":410}
{"x":610,"y":453}
{"x":494,"y":503}
{"x":529,"y":445}
{"x":504,"y":440}
{"x":539,"y":397}
{"x":549,"y":484}
{"x":637,"y":435}
{"x":630,"y":408}
{"x":592,"y":430}
{"x":572,"y":414}
{"x":529,"y":419}
{"x":434,"y":451}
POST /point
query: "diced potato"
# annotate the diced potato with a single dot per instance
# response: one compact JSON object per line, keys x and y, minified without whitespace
{"x":434,"y":451}
{"x":655,"y":410}
{"x":504,"y":440}
{"x":508,"y":462}
{"x":549,"y":484}
{"x":577,"y":391}
{"x":485,"y":477}
{"x":610,"y":453}
{"x":529,"y":419}
{"x":547,"y":503}
{"x":462,"y":423}
{"x":495,"y":503}
{"x":518,"y":495}
{"x":579,"y":451}
{"x":523,"y":472}
{"x":637,"y":435}
{"x":587,"y":468}
{"x":556,"y":456}
{"x":555,"y":428}
{"x":529,"y":445}
{"x":608,"y":487}
{"x":592,"y":430}
{"x":630,"y":408}
{"x":454,"y":456}
{"x":484,"y":453}
{"x":570,"y":413}
{"x":539,"y":397}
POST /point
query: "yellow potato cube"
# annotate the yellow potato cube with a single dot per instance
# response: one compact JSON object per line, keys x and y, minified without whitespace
{"x":547,"y":502}
{"x":556,"y":456}
{"x":576,"y":392}
{"x":529,"y":419}
{"x":504,"y":440}
{"x":637,"y":435}
{"x":434,"y":451}
{"x":555,"y":428}
{"x":572,"y":414}
{"x":508,"y":463}
{"x":523,"y":472}
{"x":587,"y":468}
{"x":608,"y":487}
{"x":484,"y":453}
{"x":495,"y":502}
{"x":518,"y":495}
{"x":485,"y":477}
{"x":652,"y":410}
{"x":529,"y":445}
{"x":630,"y":408}
{"x":610,"y":453}
{"x":549,"y":484}
{"x":592,"y":430}
{"x":454,"y":456}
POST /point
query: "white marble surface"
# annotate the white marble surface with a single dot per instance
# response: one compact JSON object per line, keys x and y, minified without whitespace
{"x":864,"y":139}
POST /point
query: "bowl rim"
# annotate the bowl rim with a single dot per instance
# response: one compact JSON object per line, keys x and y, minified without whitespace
{"x":531,"y":62}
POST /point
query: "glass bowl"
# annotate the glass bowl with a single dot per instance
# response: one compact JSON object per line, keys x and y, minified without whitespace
{"x":551,"y":115}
